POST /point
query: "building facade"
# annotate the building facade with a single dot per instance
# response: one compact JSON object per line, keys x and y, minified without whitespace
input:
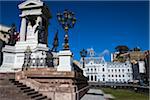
{"x":97,"y":70}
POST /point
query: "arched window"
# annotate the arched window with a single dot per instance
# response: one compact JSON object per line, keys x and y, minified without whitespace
{"x":103,"y":75}
{"x":103,"y":79}
{"x":103,"y":69}
{"x":88,"y":69}
{"x":91,"y":70}
{"x":91,"y":77}
{"x":95,"y":78}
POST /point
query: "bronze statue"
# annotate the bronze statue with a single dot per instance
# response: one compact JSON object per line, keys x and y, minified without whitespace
{"x":12,"y":32}
{"x":41,"y":31}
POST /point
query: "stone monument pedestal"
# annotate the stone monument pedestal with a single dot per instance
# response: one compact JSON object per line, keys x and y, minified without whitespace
{"x":56,"y":85}
{"x":65,"y":61}
{"x":13,"y":56}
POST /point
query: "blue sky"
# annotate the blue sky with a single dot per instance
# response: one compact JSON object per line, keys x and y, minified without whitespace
{"x":101,"y":25}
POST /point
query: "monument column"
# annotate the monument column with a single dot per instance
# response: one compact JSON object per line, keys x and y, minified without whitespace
{"x":23,"y":29}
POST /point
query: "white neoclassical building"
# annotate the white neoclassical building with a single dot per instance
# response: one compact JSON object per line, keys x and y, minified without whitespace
{"x":97,"y":70}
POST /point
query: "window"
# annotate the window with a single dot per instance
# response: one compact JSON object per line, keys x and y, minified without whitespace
{"x":122,"y":75}
{"x":116,"y":80}
{"x":119,"y":75}
{"x":103,"y":75}
{"x":91,"y":77}
{"x":108,"y":70}
{"x":128,"y":70}
{"x":88,"y":69}
{"x":108,"y":75}
{"x":112,"y":75}
{"x":103,"y":79}
{"x":112,"y":70}
{"x":95,"y":69}
{"x":91,"y":70}
{"x":128,"y":75}
{"x":119,"y":70}
{"x":120,"y":80}
{"x":115,"y":70}
{"x":122,"y":70}
{"x":116,"y":75}
{"x":103,"y":69}
{"x":95,"y":78}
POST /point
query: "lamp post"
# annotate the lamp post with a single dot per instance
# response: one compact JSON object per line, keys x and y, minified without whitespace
{"x":83,"y":54}
{"x":67,"y":21}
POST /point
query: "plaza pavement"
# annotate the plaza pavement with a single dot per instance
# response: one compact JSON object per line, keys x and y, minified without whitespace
{"x":94,"y":94}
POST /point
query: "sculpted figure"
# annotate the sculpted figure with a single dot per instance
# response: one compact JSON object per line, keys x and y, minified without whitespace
{"x":29,"y":29}
{"x":41,"y":30}
{"x":12,"y":32}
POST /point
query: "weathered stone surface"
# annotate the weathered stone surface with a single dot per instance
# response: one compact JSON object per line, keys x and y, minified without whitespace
{"x":10,"y":92}
{"x":54,"y":84}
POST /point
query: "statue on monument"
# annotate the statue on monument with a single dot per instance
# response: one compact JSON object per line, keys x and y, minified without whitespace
{"x":14,"y":36}
{"x":41,"y":31}
{"x":29,"y":29}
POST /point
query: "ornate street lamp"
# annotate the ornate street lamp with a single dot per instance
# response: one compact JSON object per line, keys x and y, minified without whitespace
{"x":67,"y":21}
{"x":83,"y":54}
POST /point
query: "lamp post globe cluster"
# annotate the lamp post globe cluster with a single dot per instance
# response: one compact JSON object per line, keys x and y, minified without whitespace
{"x":67,"y":20}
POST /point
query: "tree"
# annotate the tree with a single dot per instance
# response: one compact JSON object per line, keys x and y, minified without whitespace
{"x":122,"y":49}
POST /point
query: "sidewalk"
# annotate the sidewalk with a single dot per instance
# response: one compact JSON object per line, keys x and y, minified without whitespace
{"x":94,"y":94}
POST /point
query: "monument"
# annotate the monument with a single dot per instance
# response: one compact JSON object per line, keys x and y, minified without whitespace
{"x":31,"y":62}
{"x":33,"y":34}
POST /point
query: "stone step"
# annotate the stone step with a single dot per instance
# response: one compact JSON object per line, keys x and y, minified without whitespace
{"x":36,"y":95}
{"x":21,"y":86}
{"x":42,"y":98}
{"x":9,"y":91}
{"x":32,"y":92}
{"x":25,"y":88}
{"x":17,"y":83}
{"x":28,"y":90}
